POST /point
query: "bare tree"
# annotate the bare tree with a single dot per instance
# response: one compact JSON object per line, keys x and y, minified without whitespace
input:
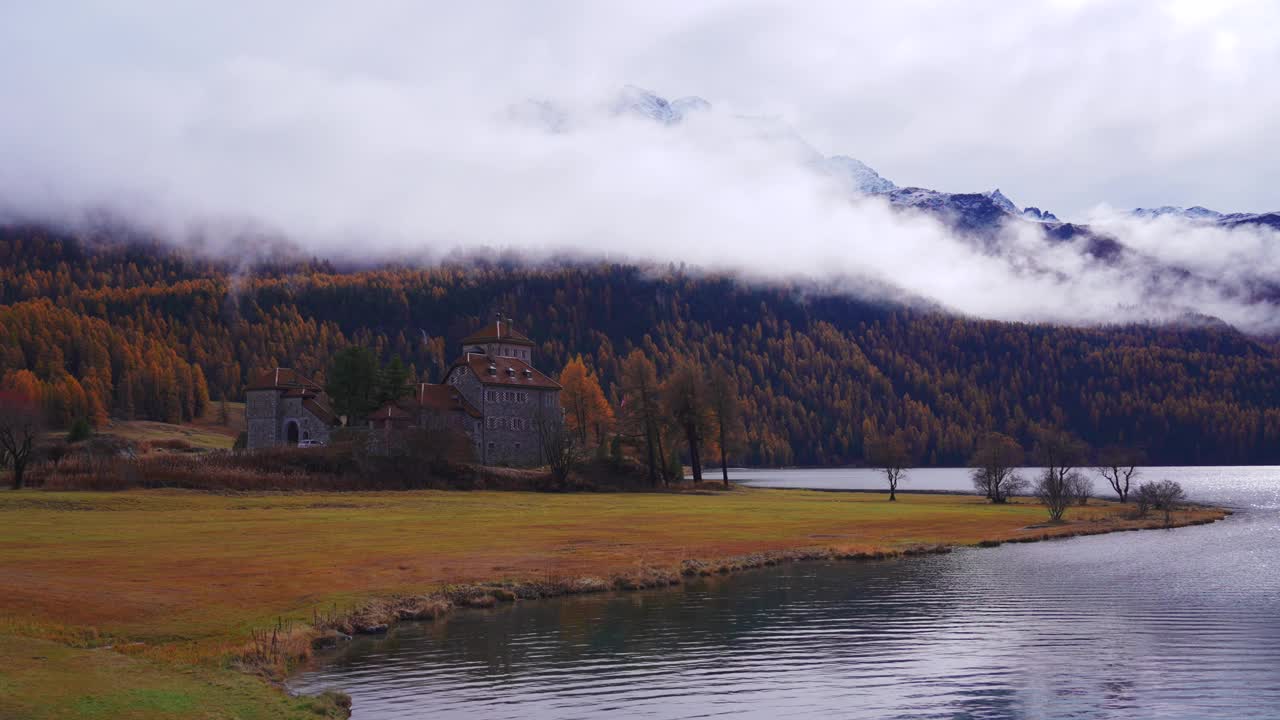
{"x":559,"y":445}
{"x":1165,"y":495}
{"x":994,"y":464}
{"x":20,"y":424}
{"x":726,"y":414}
{"x":892,"y":457}
{"x":685,"y":398}
{"x":1060,"y":484}
{"x":1081,"y":487}
{"x":1055,"y":491}
{"x":1119,"y":465}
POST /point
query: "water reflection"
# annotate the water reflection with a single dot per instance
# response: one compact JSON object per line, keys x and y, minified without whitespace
{"x":1157,"y":624}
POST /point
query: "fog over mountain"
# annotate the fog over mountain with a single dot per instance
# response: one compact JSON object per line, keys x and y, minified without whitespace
{"x":846,"y":145}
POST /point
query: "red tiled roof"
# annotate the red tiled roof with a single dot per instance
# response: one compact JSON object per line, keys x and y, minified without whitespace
{"x":390,"y":411}
{"x":509,"y":372}
{"x":497,"y":331}
{"x":293,"y":384}
{"x":282,"y":379}
{"x":320,"y":408}
{"x":442,"y":398}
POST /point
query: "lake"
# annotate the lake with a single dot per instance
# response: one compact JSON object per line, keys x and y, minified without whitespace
{"x":1180,"y":623}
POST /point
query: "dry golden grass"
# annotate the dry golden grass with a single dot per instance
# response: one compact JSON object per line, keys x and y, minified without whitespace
{"x":184,"y":576}
{"x":160,"y":565}
{"x":204,"y":433}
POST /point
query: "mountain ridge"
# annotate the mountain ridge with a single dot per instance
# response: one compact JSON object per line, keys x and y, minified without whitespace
{"x":971,"y":213}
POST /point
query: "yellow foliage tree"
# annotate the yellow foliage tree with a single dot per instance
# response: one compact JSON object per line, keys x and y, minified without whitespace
{"x":587,"y":412}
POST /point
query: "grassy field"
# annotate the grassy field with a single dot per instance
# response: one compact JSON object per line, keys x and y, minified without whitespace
{"x":178,"y":579}
{"x":206,"y":433}
{"x":46,"y":680}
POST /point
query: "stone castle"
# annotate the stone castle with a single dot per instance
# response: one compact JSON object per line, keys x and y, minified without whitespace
{"x":284,"y":407}
{"x":492,"y":394}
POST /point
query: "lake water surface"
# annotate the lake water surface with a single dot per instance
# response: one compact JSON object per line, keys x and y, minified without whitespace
{"x":1178,"y":623}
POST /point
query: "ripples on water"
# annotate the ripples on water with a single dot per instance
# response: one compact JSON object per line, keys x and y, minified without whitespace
{"x":1177,"y":624}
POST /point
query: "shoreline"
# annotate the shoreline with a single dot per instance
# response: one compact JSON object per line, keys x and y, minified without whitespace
{"x":964,"y":493}
{"x":385,"y":558}
{"x":379,"y":615}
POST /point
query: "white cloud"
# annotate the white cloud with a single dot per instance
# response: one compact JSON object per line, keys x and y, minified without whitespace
{"x":380,"y":128}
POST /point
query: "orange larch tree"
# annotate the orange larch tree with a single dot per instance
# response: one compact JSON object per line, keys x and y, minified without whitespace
{"x":587,"y":412}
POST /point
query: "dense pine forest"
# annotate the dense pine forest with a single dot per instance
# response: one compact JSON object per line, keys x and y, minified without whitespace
{"x":135,"y":329}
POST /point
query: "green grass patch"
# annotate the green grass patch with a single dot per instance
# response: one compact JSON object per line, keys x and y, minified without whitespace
{"x":45,"y":680}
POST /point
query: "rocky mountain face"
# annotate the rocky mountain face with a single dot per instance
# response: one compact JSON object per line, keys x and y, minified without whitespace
{"x":1205,"y":215}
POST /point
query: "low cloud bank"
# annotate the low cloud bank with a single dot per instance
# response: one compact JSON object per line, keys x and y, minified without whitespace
{"x":360,"y":166}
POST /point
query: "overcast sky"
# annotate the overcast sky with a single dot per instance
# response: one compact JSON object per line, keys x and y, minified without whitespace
{"x":386,"y":126}
{"x":1063,"y":105}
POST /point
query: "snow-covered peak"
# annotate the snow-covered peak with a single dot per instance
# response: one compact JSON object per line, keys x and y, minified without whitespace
{"x":1192,"y":213}
{"x":637,"y":100}
{"x":1003,"y":202}
{"x":632,"y":99}
{"x":859,"y":177}
{"x":1035,"y":213}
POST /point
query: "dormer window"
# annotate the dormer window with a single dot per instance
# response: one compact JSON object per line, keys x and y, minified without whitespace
{"x":493,"y":369}
{"x":528,"y":373}
{"x":511,"y":372}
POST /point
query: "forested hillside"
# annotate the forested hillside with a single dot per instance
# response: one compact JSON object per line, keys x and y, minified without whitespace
{"x":139,"y":330}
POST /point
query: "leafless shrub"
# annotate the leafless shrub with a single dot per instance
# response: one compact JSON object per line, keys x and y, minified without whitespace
{"x":1057,"y":490}
{"x":560,"y":448}
{"x":1165,"y":495}
{"x":1081,"y":488}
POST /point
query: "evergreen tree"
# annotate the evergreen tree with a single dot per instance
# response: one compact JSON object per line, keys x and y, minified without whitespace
{"x":353,"y":383}
{"x":393,"y":381}
{"x":80,"y":430}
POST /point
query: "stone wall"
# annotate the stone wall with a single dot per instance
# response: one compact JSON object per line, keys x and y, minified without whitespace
{"x":510,"y":430}
{"x":310,"y":427}
{"x":508,"y":434}
{"x":262,"y":418}
{"x":267,"y":417}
